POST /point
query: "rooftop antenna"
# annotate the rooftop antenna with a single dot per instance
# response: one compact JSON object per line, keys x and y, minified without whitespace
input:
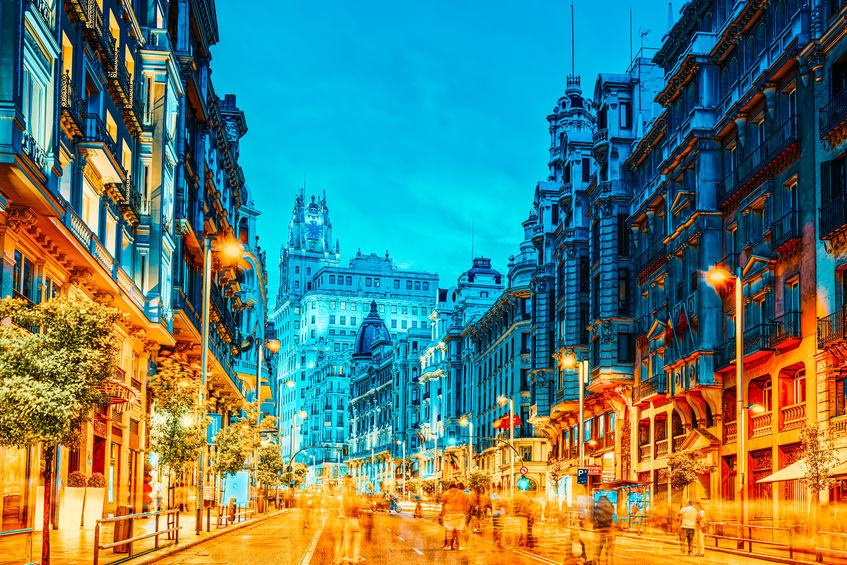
{"x":472,"y":238}
{"x":670,"y":16}
{"x":573,"y":48}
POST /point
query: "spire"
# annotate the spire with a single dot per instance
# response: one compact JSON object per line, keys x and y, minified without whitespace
{"x":670,"y":16}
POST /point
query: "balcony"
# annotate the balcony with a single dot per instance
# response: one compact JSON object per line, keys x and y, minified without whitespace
{"x":786,"y":232}
{"x":601,"y":142}
{"x":130,"y":201}
{"x":103,"y":150}
{"x":651,"y":258}
{"x":678,"y":441}
{"x":757,"y":343}
{"x":793,"y":416}
{"x":730,"y":430}
{"x":32,"y":149}
{"x":785,"y":330}
{"x":73,"y":118}
{"x":120,"y":83}
{"x":833,"y":218}
{"x":78,"y":9}
{"x":661,"y":448}
{"x":651,"y":389}
{"x":760,"y":425}
{"x":644,"y":452}
{"x":832,"y":330}
{"x":99,"y":36}
{"x":183,"y":303}
{"x":777,"y":150}
{"x":833,"y":117}
{"x":221,"y":314}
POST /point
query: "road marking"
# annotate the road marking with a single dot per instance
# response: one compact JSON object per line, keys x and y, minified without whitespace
{"x":418,"y":550}
{"x":307,"y":558}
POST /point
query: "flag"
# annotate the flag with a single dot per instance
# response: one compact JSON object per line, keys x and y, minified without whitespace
{"x":453,"y":461}
{"x":500,"y":423}
{"x":422,"y":438}
{"x":516,"y":421}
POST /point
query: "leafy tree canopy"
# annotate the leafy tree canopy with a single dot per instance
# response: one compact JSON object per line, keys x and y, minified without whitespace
{"x":684,"y":467}
{"x":818,"y":458}
{"x":53,"y":358}
{"x":177,"y":445}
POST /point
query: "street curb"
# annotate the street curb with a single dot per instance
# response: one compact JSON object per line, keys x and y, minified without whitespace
{"x":177,"y":548}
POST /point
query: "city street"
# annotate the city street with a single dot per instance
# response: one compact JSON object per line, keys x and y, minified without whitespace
{"x":282,"y":540}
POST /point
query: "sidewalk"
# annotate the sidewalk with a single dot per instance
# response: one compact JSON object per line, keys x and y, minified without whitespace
{"x":76,"y":546}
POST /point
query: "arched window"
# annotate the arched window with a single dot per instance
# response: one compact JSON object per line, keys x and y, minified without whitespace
{"x":779,"y":18}
{"x":750,"y":53}
{"x":761,"y":35}
{"x":724,"y":86}
{"x":706,"y":22}
{"x":733,"y":70}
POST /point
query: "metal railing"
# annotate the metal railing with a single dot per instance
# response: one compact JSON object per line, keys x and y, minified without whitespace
{"x":130,"y":541}
{"x":819,"y":551}
{"x":72,"y":102}
{"x":785,"y":327}
{"x":786,"y":229}
{"x":759,"y":157}
{"x":26,"y":554}
{"x":718,"y":534}
{"x":96,"y":131}
{"x":834,"y":113}
{"x":833,"y":217}
{"x":655,"y":251}
{"x":832,"y":328}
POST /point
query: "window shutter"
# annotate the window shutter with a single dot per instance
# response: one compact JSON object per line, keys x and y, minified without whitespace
{"x":826,"y":182}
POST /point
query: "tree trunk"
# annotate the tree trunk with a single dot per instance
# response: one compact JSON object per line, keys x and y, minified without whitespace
{"x":48,"y":506}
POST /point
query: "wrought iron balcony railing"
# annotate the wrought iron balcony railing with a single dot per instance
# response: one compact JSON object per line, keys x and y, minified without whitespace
{"x":832,"y":329}
{"x":834,"y":114}
{"x":72,"y":106}
{"x":833,"y":217}
{"x":786,"y":230}
{"x":784,"y":328}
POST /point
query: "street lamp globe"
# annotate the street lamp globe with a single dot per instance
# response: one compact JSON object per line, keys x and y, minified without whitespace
{"x":232,"y":250}
{"x":273,"y":345}
{"x":502,"y":400}
{"x":756,"y":408}
{"x":289,"y":384}
{"x":717,"y":276}
{"x":302,"y":414}
{"x":464,"y":422}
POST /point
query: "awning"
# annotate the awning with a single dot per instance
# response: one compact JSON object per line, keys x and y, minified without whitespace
{"x":795,"y":471}
{"x":790,"y":473}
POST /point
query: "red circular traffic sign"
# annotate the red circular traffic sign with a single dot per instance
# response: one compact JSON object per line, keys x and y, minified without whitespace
{"x":524,"y":470}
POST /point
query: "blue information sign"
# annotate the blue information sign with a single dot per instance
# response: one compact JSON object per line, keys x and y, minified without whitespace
{"x":582,"y":476}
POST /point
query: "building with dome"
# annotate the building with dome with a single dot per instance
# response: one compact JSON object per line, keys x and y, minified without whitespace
{"x":377,"y":365}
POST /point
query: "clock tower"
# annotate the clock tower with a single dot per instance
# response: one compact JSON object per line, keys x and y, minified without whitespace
{"x":310,"y":247}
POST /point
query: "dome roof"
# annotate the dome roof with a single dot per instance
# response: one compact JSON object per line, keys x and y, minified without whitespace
{"x":372,"y":330}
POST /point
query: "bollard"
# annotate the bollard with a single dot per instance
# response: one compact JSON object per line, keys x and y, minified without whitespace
{"x":156,"y":538}
{"x":176,"y":539}
{"x":97,"y":543}
{"x":208,"y":519}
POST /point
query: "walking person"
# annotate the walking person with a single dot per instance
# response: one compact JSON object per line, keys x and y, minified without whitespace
{"x":498,"y":509}
{"x":700,"y":531}
{"x":604,"y":521}
{"x":687,"y":524}
{"x":454,"y":508}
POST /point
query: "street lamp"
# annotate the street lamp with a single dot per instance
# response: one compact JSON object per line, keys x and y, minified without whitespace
{"x":570,"y":361}
{"x":403,"y":443}
{"x":717,"y":277}
{"x":465,"y":422}
{"x":232,"y":251}
{"x":273,"y":346}
{"x":502,"y":400}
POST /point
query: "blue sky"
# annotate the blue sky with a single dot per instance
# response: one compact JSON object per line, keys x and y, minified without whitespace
{"x":417,"y":119}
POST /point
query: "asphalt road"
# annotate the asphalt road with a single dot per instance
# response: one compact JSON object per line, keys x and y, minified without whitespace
{"x":401,"y":539}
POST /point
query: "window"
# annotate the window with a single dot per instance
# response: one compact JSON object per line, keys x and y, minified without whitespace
{"x":296,"y":269}
{"x":331,"y":279}
{"x":90,"y":207}
{"x":393,"y":308}
{"x":623,"y":236}
{"x":426,"y":285}
{"x":342,"y":320}
{"x":626,"y":348}
{"x":23,"y":276}
{"x":396,"y":283}
{"x":595,"y":241}
{"x":393,"y":324}
{"x":368,"y":281}
{"x":348,"y":280}
{"x":376,"y":282}
{"x":417,"y":285}
{"x":403,"y":324}
{"x":595,"y":297}
{"x":308,"y":270}
{"x":625,"y":115}
{"x":408,"y":285}
{"x":352,"y":320}
{"x":623,"y":292}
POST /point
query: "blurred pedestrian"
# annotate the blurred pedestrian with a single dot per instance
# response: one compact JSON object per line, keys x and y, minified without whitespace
{"x":498,"y":509}
{"x":687,"y":524}
{"x":700,"y":530}
{"x":347,"y":548}
{"x":603,"y":515}
{"x":454,"y":507}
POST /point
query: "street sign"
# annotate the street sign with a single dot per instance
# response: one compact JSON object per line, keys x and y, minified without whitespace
{"x":582,"y":476}
{"x":524,"y":470}
{"x":593,"y":469}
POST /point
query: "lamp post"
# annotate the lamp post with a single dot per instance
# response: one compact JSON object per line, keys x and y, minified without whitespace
{"x":303,"y":415}
{"x":273,"y":346}
{"x":570,"y":361}
{"x":232,"y":250}
{"x":403,"y":444}
{"x":466,"y":422}
{"x":718,"y":276}
{"x":501,"y":400}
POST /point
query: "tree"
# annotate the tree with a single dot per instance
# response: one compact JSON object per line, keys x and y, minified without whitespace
{"x":233,"y":447}
{"x":270,"y":465}
{"x":54,"y":358}
{"x":176,"y":443}
{"x":684,"y":466}
{"x":176,"y":385}
{"x":298,"y":476}
{"x":817,"y":463}
{"x":478,"y":480}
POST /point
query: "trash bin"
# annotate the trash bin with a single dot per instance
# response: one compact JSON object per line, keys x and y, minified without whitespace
{"x":123,"y":529}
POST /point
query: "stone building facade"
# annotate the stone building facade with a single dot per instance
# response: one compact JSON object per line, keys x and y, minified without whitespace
{"x":119,"y":160}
